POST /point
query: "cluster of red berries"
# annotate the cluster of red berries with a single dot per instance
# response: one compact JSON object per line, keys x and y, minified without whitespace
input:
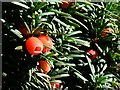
{"x":37,"y":45}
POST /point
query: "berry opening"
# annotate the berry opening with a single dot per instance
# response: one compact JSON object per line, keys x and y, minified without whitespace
{"x":38,"y":49}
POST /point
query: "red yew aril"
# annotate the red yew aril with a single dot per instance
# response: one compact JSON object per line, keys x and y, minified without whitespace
{"x":44,"y":65}
{"x":23,"y":29}
{"x":47,"y":41}
{"x":93,"y":54}
{"x":106,"y":31}
{"x":56,"y":85}
{"x":34,"y":45}
{"x":66,"y":3}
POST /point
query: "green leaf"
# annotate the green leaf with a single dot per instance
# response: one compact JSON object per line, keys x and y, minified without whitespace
{"x":59,"y":12}
{"x":22,"y":1}
{"x":46,"y":85}
{"x":88,"y":3}
{"x":99,"y":47}
{"x":80,"y":76}
{"x":20,"y":4}
{"x":59,"y":21}
{"x":44,"y":79}
{"x":60,"y":76}
{"x":16,"y":33}
{"x":19,"y":48}
{"x":60,"y":63}
{"x":70,"y":64}
{"x":92,"y":78}
{"x":109,"y":38}
{"x":22,"y":88}
{"x":41,"y":5}
{"x":108,"y":87}
{"x":53,"y":48}
{"x":62,"y":70}
{"x":104,"y":68}
{"x":71,"y":18}
{"x":28,"y":83}
{"x":109,"y":5}
{"x":30,"y":74}
{"x":49,"y":54}
{"x":43,"y":75}
{"x":110,"y":75}
{"x":101,"y":79}
{"x":82,"y":15}
{"x":54,"y":29}
{"x":74,"y":33}
{"x":48,"y":24}
{"x":99,"y":6}
{"x":69,"y":22}
{"x":82,"y":42}
{"x":56,"y":81}
{"x":77,"y":55}
{"x":70,"y":39}
{"x":26,"y":87}
{"x":33,"y":84}
{"x":42,"y":20}
{"x":47,"y":13}
{"x":91,"y":66}
{"x":68,"y":45}
{"x":38,"y":81}
{"x":35,"y":3}
{"x":53,"y":3}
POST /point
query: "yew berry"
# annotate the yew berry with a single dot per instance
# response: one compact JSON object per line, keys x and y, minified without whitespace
{"x":106,"y":32}
{"x":47,"y":41}
{"x":54,"y":84}
{"x":93,"y":54}
{"x":66,"y":3}
{"x":34,"y":45}
{"x":45,"y":66}
{"x":23,"y":29}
